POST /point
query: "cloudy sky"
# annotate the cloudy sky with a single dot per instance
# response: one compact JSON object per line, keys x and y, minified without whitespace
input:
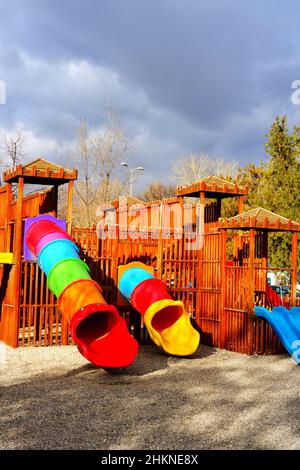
{"x":183,"y":75}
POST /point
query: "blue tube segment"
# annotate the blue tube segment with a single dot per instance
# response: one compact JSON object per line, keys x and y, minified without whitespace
{"x":56,"y":251}
{"x":131,"y":278}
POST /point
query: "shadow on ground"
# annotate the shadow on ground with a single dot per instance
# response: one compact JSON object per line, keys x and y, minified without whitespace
{"x":215,"y":400}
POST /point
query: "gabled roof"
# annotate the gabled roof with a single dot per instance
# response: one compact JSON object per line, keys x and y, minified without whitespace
{"x":42,"y":163}
{"x":212,"y":186}
{"x":115,"y":203}
{"x":40,"y":171}
{"x":131,"y":200}
{"x":263,"y":219}
{"x":212,"y":179}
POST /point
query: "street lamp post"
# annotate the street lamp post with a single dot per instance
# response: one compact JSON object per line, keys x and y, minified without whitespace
{"x":132,"y":170}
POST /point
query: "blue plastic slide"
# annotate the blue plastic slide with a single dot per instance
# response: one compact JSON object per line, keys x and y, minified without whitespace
{"x":286,"y":324}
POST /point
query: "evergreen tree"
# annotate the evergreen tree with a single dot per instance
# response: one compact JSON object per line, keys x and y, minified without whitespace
{"x":279,"y":186}
{"x":275,"y":185}
{"x":251,"y":176}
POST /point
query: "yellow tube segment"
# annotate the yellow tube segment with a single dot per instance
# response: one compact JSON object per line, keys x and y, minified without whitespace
{"x":180,"y":338}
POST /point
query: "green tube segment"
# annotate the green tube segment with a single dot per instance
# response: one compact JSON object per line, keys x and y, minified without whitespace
{"x":65,"y":272}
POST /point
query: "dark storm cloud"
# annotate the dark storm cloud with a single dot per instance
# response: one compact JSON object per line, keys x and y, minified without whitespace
{"x":185,"y":76}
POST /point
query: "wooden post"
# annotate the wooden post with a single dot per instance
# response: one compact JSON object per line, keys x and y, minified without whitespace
{"x":7,"y":218}
{"x":160,"y":244}
{"x":223,"y":323}
{"x":200,"y":253}
{"x":264,"y":263}
{"x":241,"y":205}
{"x":251,"y":269}
{"x":294,"y":268}
{"x":202,"y":209}
{"x":55,"y":195}
{"x":70,"y":206}
{"x":219,"y":208}
{"x":18,"y":264}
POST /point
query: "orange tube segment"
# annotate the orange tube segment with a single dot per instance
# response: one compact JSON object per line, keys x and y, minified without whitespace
{"x":99,"y":331}
{"x":79,"y":294}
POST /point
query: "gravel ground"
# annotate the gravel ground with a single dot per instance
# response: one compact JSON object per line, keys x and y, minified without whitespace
{"x":52,"y":398}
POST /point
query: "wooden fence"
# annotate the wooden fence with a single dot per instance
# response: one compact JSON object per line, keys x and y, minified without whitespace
{"x":215,"y":290}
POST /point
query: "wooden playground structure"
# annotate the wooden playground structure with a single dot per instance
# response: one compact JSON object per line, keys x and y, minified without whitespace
{"x":218,"y":269}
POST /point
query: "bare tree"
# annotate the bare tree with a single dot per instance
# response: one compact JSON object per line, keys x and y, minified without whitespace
{"x":12,"y":148}
{"x":157,"y":191}
{"x":97,"y":154}
{"x":108,"y":149}
{"x":86,"y":186}
{"x":192,"y":168}
{"x":226,"y":169}
{"x":187,"y":170}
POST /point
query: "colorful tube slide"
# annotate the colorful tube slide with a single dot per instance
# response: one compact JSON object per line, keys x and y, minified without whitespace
{"x":166,"y":319}
{"x":286,"y":325}
{"x":99,"y":331}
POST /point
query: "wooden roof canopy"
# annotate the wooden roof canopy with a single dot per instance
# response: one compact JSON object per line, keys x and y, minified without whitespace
{"x":130,"y":201}
{"x":212,"y":187}
{"x":40,"y":171}
{"x":262,"y":219}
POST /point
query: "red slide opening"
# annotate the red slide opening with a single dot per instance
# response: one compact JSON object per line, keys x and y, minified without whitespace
{"x":102,"y":336}
{"x":95,"y":326}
